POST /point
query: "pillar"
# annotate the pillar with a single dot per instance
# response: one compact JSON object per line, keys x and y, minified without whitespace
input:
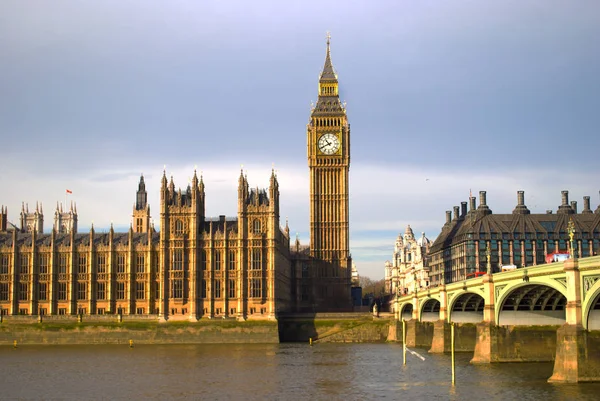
{"x":441,"y":328}
{"x":486,"y":349}
{"x":577,"y":355}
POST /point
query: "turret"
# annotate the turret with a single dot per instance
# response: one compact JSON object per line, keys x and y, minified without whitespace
{"x":141,"y":208}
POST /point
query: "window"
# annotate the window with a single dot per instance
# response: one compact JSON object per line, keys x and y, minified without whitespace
{"x":101,"y":263}
{"x":43,"y":291}
{"x":3,"y":264}
{"x":217,"y":260}
{"x":140,"y":265}
{"x":255,"y":288}
{"x":203,"y":289}
{"x":140,"y":290}
{"x":81,"y":291}
{"x":139,"y":223}
{"x":256,"y":259}
{"x":120,"y":263}
{"x":24,"y":264}
{"x":179,"y":227}
{"x":177,"y":288}
{"x":231,"y":261}
{"x":139,"y":311}
{"x":101,"y":291}
{"x":62,"y":292}
{"x":177,"y":259}
{"x":23,"y":291}
{"x":120,"y":290}
{"x":3,"y":291}
{"x":203,"y":260}
{"x":62,"y":311}
{"x":43,"y":259}
{"x":82,"y":265}
{"x":256,"y":226}
{"x":231,"y":289}
{"x":217,"y":289}
{"x":62,"y":263}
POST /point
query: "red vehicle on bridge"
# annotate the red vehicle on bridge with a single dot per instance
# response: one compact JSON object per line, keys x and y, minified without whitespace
{"x":557,"y":257}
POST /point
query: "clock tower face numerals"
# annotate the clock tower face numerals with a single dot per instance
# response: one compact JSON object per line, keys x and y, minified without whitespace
{"x":328,"y":144}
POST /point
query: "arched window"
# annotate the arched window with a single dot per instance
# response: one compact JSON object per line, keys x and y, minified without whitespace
{"x":256,"y":226}
{"x":178,"y":227}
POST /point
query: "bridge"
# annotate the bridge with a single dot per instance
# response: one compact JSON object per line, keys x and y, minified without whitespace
{"x":539,"y":313}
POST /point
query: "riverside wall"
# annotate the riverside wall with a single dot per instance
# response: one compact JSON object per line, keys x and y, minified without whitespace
{"x":146,"y":331}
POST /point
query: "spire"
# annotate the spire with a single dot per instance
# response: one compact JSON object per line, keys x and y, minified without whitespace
{"x":328,"y":73}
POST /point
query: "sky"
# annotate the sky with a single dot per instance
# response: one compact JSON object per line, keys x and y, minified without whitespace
{"x":444,"y":98}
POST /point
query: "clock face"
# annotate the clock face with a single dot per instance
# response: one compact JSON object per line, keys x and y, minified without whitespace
{"x":328,"y":144}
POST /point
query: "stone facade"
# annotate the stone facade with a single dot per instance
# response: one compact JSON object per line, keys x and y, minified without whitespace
{"x":409,"y":267}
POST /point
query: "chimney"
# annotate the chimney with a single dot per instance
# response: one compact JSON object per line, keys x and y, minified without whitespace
{"x":586,"y":205}
{"x":564,"y":208}
{"x":521,"y":208}
{"x":456,"y":216}
{"x":463,"y":209}
{"x":472,"y":201}
{"x":574,"y":206}
{"x":548,"y":211}
{"x":483,"y":207}
{"x":448,"y":216}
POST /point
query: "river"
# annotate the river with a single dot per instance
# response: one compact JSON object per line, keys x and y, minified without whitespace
{"x":266,"y":372}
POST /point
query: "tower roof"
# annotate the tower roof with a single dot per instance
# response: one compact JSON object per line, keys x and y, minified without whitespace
{"x":328,"y":73}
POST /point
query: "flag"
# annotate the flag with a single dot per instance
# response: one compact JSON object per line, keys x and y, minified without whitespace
{"x":69,"y":191}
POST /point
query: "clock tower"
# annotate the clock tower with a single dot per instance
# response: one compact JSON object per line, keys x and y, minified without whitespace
{"x":328,"y":146}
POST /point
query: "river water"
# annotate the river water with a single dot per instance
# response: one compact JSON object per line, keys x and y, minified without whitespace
{"x":267,"y":372}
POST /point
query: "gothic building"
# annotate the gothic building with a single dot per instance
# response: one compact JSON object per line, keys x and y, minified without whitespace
{"x":518,"y":239}
{"x":195,"y":266}
{"x":409,"y":267}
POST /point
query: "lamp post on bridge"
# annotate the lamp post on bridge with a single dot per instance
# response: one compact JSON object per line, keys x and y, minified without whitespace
{"x":571,"y":230}
{"x":488,"y":254}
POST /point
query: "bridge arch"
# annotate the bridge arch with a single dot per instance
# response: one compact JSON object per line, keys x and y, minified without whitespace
{"x":532,"y":304}
{"x":466,"y":307}
{"x":406,"y":311}
{"x":591,"y":308}
{"x":430,"y":310}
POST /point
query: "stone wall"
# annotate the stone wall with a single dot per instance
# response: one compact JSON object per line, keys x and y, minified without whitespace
{"x":357,"y":329}
{"x":141,"y":332}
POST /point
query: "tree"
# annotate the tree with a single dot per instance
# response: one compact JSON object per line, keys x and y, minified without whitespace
{"x":371,"y":287}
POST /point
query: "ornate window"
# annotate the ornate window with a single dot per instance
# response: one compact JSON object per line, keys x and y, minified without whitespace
{"x":140,"y":290}
{"x":24,"y":264}
{"x":177,"y":288}
{"x":43,"y":292}
{"x":82,"y":264}
{"x":231,"y":261}
{"x":255,"y":288}
{"x":256,"y":262}
{"x":101,"y":291}
{"x":81,"y":291}
{"x":140,"y":265}
{"x":217,"y":259}
{"x":43,"y":259}
{"x":231,"y":289}
{"x":217,"y":289}
{"x":179,"y":227}
{"x":101,"y":263}
{"x":120,"y":290}
{"x":256,"y":226}
{"x":23,"y":291}
{"x":62,"y":263}
{"x":178,"y":259}
{"x":62,"y":292}
{"x":120,"y":263}
{"x":3,"y":291}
